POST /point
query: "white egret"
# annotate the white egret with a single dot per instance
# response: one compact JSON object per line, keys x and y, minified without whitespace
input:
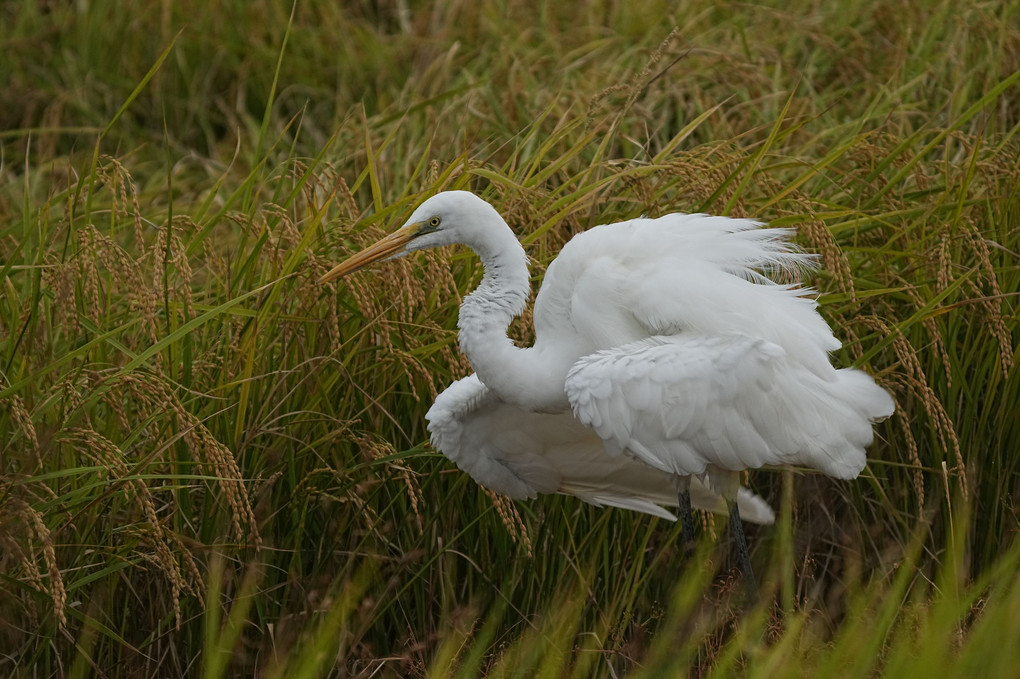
{"x":665,"y":362}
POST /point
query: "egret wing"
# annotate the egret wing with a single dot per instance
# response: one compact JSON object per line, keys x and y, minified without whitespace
{"x":489,"y":440}
{"x":521,"y":454}
{"x":683,"y":402}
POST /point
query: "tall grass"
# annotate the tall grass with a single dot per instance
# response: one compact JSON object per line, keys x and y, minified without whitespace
{"x":213,"y":466}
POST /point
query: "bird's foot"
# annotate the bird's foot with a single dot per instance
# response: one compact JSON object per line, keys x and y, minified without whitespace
{"x":743,"y":556}
{"x":686,"y":522}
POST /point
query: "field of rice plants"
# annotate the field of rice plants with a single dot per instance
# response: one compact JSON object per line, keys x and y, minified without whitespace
{"x":213,"y":466}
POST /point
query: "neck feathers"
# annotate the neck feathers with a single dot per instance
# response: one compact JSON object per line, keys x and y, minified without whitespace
{"x":501,"y":296}
{"x":510,"y":371}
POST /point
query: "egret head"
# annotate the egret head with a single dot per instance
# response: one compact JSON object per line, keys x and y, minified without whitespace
{"x":445,"y":218}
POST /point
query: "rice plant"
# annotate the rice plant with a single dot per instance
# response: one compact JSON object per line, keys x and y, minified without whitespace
{"x":213,"y":466}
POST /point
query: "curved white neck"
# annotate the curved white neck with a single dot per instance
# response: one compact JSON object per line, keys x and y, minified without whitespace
{"x":514,"y":373}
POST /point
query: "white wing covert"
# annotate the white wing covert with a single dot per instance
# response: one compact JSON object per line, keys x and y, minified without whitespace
{"x":690,"y":403}
{"x":682,"y":402}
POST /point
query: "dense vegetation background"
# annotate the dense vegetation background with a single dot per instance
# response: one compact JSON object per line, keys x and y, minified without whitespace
{"x":213,"y":466}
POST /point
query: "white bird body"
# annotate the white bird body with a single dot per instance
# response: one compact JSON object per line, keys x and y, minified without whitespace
{"x":521,"y":454}
{"x":662,"y":352}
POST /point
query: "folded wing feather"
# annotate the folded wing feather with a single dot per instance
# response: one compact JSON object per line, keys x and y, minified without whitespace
{"x":522,"y":454}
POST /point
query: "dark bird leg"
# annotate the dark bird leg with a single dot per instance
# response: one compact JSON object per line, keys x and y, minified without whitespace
{"x":686,"y":514}
{"x":743,"y":557}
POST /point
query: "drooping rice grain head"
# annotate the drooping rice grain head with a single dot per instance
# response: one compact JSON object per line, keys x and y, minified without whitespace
{"x":911,"y":376}
{"x":510,"y":517}
{"x":377,"y":450}
{"x":165,"y":546}
{"x":24,"y":532}
{"x":820,"y":240}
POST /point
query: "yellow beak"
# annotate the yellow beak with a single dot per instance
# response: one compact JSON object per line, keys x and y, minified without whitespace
{"x":386,"y":247}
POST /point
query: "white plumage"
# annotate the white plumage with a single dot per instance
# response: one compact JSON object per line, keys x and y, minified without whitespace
{"x":521,"y":454}
{"x":664,"y":352}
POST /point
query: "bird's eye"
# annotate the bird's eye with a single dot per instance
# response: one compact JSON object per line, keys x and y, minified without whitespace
{"x":434,"y":222}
